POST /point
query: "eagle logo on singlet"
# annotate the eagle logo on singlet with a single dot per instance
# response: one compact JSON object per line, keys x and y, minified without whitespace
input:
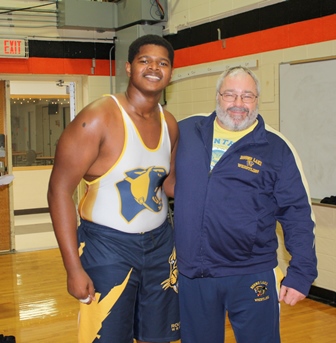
{"x":141,"y":189}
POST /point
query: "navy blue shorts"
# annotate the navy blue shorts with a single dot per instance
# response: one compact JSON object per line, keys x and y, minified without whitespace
{"x":135,"y":279}
{"x":251,"y":302}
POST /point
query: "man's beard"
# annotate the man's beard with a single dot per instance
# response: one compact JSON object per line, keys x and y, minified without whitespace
{"x":232,"y":125}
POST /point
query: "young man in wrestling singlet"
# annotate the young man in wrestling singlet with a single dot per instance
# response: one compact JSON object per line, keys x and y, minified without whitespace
{"x":121,"y":263}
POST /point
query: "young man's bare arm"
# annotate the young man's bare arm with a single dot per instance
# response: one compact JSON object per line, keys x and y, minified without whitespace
{"x":169,"y":182}
{"x":77,"y":150}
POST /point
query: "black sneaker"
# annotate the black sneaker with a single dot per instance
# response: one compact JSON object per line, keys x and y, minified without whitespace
{"x":7,"y":339}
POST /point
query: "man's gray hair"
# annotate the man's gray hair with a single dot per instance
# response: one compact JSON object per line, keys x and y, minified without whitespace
{"x":234,"y":71}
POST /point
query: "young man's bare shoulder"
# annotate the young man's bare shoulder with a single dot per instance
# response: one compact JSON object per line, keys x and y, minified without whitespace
{"x":170,"y":119}
{"x":172,"y":125}
{"x":102,"y":110}
{"x":103,"y":105}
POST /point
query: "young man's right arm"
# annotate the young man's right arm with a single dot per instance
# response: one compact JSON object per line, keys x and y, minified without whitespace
{"x":77,"y":150}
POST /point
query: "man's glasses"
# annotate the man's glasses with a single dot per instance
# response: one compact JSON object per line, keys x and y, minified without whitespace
{"x":248,"y":98}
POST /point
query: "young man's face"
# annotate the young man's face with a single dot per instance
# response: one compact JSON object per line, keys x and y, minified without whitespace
{"x":151,"y":68}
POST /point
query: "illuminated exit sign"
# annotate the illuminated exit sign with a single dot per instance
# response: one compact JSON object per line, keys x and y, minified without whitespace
{"x":13,"y":48}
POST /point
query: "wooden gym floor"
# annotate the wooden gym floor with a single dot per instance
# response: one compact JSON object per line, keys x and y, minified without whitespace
{"x":35,"y":306}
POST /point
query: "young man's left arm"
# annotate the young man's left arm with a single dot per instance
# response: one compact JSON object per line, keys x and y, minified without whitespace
{"x":169,"y":183}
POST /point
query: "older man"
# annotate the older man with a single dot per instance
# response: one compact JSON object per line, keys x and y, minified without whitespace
{"x":235,"y":178}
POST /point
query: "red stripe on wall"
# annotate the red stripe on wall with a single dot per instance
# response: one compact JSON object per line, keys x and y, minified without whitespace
{"x":287,"y":36}
{"x":63,"y":66}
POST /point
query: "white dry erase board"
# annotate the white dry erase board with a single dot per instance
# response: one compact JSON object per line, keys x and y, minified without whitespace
{"x":308,"y":120}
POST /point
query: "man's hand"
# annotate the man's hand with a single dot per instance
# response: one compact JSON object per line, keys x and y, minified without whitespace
{"x":290,"y":296}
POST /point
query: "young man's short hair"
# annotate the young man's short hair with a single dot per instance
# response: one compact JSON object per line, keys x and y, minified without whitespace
{"x":134,"y":48}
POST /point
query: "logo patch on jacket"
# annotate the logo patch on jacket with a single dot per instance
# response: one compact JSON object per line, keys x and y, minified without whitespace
{"x":260,"y":289}
{"x":250,"y":163}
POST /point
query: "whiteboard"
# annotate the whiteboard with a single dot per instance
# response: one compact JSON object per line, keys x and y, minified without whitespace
{"x":308,"y":120}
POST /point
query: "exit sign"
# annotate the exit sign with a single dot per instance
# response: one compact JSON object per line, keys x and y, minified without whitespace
{"x":13,"y":48}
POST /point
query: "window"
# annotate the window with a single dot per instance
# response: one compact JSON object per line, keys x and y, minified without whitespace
{"x":36,"y":125}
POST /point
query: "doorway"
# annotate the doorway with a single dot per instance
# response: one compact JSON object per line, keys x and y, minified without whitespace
{"x":38,"y":111}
